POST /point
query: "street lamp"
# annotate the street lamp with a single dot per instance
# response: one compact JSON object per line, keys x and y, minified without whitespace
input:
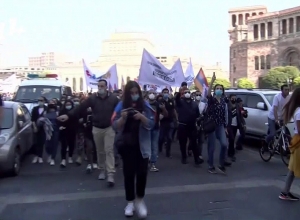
{"x":290,"y":82}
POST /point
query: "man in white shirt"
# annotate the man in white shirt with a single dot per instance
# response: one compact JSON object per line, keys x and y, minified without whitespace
{"x":275,"y":114}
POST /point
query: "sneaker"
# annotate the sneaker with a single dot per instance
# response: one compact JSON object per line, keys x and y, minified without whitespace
{"x":49,"y":159}
{"x":52,"y":162}
{"x":35,"y":160}
{"x":184,"y":161}
{"x":140,"y":208}
{"x":153,"y":168}
{"x":95,"y":166}
{"x":63,"y":163}
{"x":227,"y":164}
{"x":233,"y":158}
{"x":222,"y":169}
{"x":101,"y":175}
{"x":40,"y":160}
{"x":89,"y":168}
{"x":78,"y":161}
{"x":288,"y":196}
{"x":70,"y":160}
{"x":129,"y":209}
{"x":212,"y":170}
{"x":110,"y":180}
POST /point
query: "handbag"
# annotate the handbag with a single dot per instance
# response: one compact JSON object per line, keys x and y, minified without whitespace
{"x":208,"y":125}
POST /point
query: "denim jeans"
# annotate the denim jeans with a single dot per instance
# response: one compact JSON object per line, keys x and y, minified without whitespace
{"x":154,"y":145}
{"x":52,"y":144}
{"x":271,"y":130}
{"x":219,"y":134}
{"x":165,"y":134}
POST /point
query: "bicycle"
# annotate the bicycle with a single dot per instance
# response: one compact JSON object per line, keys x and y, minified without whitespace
{"x":280,"y":143}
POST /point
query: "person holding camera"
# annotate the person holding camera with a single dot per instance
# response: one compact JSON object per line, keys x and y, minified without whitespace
{"x":133,"y":120}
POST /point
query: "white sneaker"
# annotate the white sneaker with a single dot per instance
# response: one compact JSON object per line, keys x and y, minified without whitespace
{"x":79,"y":161}
{"x":95,"y":166}
{"x":49,"y":159}
{"x":102,"y":175}
{"x":35,"y":160}
{"x":63,"y":163}
{"x":140,"y":208}
{"x":129,"y":209}
{"x":52,"y":162}
{"x":41,"y":160}
{"x":70,"y":160}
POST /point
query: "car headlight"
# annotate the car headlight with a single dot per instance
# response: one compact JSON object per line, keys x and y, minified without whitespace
{"x":3,"y":138}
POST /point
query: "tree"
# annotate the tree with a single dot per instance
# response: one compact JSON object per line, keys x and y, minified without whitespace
{"x":193,"y":87}
{"x":245,"y":83}
{"x":223,"y":82}
{"x":280,"y":75}
{"x":296,"y":82}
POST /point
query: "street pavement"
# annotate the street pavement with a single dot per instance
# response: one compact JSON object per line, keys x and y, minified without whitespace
{"x":249,"y":191}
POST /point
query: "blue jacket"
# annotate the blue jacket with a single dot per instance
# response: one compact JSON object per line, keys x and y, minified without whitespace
{"x":145,"y":130}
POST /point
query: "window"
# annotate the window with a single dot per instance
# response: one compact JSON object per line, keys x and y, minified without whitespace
{"x":27,"y":94}
{"x":270,"y":98}
{"x":74,"y":84}
{"x":253,"y":14}
{"x":268,"y":62}
{"x":291,"y":25}
{"x":256,"y":62}
{"x":241,"y":19}
{"x":233,"y":20}
{"x":247,"y":16}
{"x":262,"y":62}
{"x":298,"y":23}
{"x":26,"y":113}
{"x":283,"y":23}
{"x":252,"y":101}
{"x":261,"y":13}
{"x":233,"y":53}
{"x":262,"y":30}
{"x":234,"y":68}
{"x":81,"y":84}
{"x":255,"y":31}
{"x":8,"y":119}
{"x":270,"y":29}
{"x":243,"y":97}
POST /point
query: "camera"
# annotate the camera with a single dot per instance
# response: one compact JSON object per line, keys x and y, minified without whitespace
{"x":131,"y":113}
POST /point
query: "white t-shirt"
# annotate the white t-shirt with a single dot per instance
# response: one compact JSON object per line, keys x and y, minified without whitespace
{"x":279,"y":101}
{"x":296,"y":118}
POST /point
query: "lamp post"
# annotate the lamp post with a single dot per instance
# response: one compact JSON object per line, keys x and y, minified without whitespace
{"x":290,"y":82}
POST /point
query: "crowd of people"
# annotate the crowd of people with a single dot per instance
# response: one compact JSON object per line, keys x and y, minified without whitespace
{"x":133,"y":126}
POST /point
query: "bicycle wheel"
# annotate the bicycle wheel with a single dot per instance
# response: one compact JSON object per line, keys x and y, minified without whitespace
{"x":265,"y":151}
{"x":285,"y":153}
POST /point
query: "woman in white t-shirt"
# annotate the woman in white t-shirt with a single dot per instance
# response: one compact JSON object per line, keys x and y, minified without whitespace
{"x":292,"y":111}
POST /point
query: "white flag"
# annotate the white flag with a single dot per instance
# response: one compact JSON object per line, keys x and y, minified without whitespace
{"x":90,"y":76}
{"x":189,"y":74}
{"x":154,"y":73}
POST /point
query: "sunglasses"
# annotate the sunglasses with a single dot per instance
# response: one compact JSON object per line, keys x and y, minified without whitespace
{"x":187,"y":92}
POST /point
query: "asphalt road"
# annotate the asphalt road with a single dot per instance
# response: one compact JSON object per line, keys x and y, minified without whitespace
{"x":177,"y":192}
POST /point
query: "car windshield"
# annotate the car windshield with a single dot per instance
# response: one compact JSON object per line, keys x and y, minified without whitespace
{"x":270,"y":98}
{"x":7,"y":119}
{"x":27,"y":94}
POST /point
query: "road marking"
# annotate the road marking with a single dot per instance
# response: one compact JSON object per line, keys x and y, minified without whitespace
{"x":26,"y":199}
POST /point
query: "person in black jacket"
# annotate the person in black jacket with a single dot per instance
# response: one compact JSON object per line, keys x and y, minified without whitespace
{"x":242,"y":128}
{"x":67,"y":134}
{"x":39,"y":134}
{"x":188,"y":112}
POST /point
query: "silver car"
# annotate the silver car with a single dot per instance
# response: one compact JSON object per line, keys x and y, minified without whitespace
{"x":258,"y":103}
{"x":16,"y":136}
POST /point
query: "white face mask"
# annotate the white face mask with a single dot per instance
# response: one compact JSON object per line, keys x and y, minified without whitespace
{"x":198,"y":97}
{"x":187,"y":95}
{"x":151,"y":96}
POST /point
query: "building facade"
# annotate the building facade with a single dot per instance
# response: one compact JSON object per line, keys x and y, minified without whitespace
{"x":261,"y":40}
{"x":47,"y":59}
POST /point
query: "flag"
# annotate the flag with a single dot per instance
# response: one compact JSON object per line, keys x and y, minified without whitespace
{"x":153,"y":72}
{"x":189,"y":74}
{"x":123,"y":84}
{"x":111,"y":76}
{"x":201,"y":82}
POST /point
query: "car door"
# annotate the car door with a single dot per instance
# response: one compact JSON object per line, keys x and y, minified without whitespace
{"x":22,"y":139}
{"x":256,"y":117}
{"x":28,"y":127}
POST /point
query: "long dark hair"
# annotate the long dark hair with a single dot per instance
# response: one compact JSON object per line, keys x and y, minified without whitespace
{"x":223,"y":90}
{"x":127,"y":101}
{"x":291,"y":106}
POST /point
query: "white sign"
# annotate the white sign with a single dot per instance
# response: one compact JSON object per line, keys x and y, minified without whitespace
{"x":154,"y":73}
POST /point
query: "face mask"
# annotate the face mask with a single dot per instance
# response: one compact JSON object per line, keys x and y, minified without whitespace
{"x":68,"y":107}
{"x":198,"y":97}
{"x":187,"y":95}
{"x":218,"y":92}
{"x":62,"y":102}
{"x":101,"y":91}
{"x":233,"y":101}
{"x":166,"y":96}
{"x":135,"y":97}
{"x":151,"y":96}
{"x":41,"y":103}
{"x":76,"y":103}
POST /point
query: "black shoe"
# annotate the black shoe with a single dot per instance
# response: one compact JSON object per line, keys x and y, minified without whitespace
{"x":288,"y":196}
{"x":184,"y":161}
{"x":222,"y":169}
{"x":239,"y":148}
{"x":212,"y":170}
{"x":227,"y":164}
{"x":233,"y":158}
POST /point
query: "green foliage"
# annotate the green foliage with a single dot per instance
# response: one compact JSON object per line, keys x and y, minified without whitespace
{"x":223,"y":82}
{"x":280,"y":75}
{"x":296,"y":82}
{"x":245,"y":83}
{"x":193,"y":87}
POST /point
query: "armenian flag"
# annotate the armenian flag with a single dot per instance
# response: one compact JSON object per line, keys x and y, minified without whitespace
{"x":201,"y":82}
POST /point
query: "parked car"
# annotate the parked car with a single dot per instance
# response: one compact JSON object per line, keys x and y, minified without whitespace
{"x":16,"y":137}
{"x":258,"y":103}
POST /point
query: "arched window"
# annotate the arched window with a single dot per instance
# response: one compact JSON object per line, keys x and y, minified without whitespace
{"x":81,"y":84}
{"x":233,"y":20}
{"x":74,"y":84}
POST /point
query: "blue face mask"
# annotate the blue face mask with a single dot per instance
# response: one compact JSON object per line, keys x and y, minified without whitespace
{"x":218,"y":92}
{"x":135,"y":97}
{"x":166,"y":95}
{"x":68,"y":107}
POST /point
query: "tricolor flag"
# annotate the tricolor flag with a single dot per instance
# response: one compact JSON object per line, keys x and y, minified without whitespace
{"x":201,"y":82}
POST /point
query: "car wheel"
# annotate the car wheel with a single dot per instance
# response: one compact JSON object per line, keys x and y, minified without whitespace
{"x":16,"y":164}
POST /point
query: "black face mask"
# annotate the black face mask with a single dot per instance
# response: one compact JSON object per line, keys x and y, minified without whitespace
{"x":233,"y":101}
{"x":52,"y":107}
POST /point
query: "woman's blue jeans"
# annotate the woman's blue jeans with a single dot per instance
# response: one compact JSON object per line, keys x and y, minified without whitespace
{"x":154,"y":145}
{"x":220,"y":135}
{"x":52,"y":144}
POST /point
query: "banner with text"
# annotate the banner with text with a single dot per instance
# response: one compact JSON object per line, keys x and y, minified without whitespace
{"x":154,"y":73}
{"x":189,"y":74}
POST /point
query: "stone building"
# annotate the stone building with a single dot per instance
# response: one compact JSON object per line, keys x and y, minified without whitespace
{"x":261,"y":40}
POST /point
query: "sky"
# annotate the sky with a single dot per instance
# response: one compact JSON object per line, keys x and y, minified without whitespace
{"x":74,"y":27}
